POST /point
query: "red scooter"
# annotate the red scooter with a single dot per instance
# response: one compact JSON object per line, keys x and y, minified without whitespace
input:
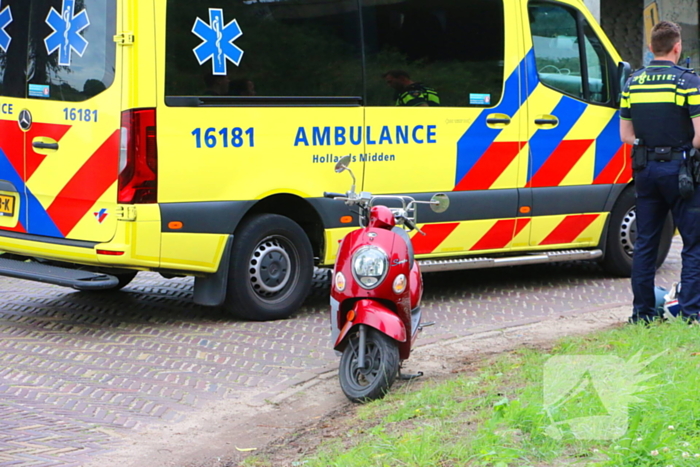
{"x":376,"y":291}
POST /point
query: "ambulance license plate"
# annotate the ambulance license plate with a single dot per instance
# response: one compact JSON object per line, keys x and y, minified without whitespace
{"x":7,"y":206}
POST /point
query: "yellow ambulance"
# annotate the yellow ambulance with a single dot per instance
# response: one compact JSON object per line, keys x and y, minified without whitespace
{"x":196,"y":138}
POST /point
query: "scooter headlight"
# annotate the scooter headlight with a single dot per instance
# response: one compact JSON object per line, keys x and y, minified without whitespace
{"x":369,"y":266}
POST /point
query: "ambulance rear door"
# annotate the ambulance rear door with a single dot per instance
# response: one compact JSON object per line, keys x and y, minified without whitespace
{"x":575,"y":151}
{"x":472,"y":144}
{"x":13,"y":56}
{"x":73,"y":95}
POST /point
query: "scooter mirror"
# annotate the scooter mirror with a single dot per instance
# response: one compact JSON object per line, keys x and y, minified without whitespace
{"x":342,"y":164}
{"x":439,"y":203}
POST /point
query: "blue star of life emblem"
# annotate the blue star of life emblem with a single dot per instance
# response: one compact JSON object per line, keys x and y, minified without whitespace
{"x":5,"y":20}
{"x":218,"y":41}
{"x":66,"y":36}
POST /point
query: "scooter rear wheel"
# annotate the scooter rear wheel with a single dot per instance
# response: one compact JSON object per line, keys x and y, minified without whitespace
{"x":381,"y":367}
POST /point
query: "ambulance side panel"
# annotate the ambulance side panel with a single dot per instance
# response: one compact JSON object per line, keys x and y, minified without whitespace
{"x":476,"y":149}
{"x":223,"y":158}
{"x":575,"y":154}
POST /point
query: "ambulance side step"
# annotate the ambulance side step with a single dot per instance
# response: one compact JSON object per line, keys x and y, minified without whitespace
{"x":33,"y":271}
{"x":436,"y":265}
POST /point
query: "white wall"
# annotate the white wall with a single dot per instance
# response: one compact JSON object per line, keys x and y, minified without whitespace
{"x":594,"y":6}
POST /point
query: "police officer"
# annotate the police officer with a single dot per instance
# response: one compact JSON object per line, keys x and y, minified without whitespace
{"x":409,"y":92}
{"x":660,"y":113}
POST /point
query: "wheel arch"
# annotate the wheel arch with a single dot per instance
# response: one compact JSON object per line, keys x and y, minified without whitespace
{"x":615,"y":192}
{"x":297,"y":209}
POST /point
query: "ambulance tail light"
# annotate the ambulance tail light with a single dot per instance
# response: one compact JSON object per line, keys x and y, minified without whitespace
{"x":138,"y":158}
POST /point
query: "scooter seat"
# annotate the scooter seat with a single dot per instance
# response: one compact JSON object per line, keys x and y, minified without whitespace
{"x":403,"y":234}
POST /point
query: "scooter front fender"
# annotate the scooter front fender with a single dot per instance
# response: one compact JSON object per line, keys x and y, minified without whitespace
{"x":377,"y":316}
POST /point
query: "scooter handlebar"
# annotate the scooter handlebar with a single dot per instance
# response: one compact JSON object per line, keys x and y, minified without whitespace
{"x":330,"y":194}
{"x":411,"y":225}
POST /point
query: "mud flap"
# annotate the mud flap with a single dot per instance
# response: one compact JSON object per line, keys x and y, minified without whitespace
{"x":211,"y":290}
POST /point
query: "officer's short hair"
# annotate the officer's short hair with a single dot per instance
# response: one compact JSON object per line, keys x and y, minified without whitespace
{"x":664,"y":36}
{"x":396,"y":74}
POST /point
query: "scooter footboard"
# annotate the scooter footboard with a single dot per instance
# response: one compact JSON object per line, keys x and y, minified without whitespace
{"x":375,"y":315}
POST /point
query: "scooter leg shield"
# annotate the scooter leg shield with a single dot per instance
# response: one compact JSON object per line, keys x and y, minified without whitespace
{"x":375,"y":315}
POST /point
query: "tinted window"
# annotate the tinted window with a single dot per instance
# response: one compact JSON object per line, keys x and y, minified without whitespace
{"x":288,"y":48}
{"x":597,"y":64}
{"x":69,"y":53}
{"x":555,"y":36}
{"x":454,"y":47}
{"x":14,"y":20}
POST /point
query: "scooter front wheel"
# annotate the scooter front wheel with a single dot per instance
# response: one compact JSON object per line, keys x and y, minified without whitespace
{"x":380,"y":369}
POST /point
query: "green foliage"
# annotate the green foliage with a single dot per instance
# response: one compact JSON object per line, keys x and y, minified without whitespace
{"x":497,"y":417}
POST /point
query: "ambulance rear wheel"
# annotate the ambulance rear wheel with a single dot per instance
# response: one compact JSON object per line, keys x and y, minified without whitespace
{"x":622,"y":233}
{"x":271,"y":269}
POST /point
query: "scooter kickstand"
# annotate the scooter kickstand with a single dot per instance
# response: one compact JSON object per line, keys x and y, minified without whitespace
{"x":425,"y":325}
{"x":409,"y":376}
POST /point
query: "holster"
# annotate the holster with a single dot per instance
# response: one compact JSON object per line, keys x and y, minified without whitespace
{"x":686,"y":178}
{"x":694,"y":162}
{"x":639,"y":155}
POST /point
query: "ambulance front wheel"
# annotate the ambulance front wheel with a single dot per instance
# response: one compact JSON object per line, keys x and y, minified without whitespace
{"x":622,"y":233}
{"x":271,"y":268}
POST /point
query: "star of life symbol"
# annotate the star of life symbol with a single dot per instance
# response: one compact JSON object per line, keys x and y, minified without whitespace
{"x":5,"y":20}
{"x":613,"y":382}
{"x":217,"y":42}
{"x":66,"y":36}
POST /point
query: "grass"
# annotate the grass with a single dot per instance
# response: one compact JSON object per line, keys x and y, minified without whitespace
{"x":497,"y":416}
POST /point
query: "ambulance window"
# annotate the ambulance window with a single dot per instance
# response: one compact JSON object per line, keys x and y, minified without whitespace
{"x":556,"y":37}
{"x":13,"y":47}
{"x":597,"y":65}
{"x":454,"y":48}
{"x":72,"y":53}
{"x":262,"y":51}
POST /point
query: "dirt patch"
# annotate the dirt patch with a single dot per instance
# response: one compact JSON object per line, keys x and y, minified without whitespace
{"x":292,"y":424}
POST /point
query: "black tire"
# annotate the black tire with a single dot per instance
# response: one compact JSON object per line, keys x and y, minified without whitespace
{"x":382,"y":367}
{"x":320,"y":285}
{"x":622,"y":233}
{"x":271,"y":268}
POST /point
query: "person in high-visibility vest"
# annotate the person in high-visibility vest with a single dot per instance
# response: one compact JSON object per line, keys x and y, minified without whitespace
{"x":409,"y":92}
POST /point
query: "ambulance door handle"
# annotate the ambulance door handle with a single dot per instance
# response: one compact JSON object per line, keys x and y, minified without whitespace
{"x":547,"y":120}
{"x":40,"y":145}
{"x":497,"y":121}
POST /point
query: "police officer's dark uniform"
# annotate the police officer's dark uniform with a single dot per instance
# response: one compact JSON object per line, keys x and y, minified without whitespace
{"x":418,"y":94}
{"x":661,"y":100}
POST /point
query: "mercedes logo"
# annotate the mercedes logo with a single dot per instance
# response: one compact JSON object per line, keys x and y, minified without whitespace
{"x":25,"y":120}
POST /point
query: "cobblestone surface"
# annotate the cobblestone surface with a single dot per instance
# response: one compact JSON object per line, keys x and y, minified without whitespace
{"x":80,"y":372}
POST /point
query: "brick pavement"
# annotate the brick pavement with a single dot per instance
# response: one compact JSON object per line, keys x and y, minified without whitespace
{"x":81,"y":372}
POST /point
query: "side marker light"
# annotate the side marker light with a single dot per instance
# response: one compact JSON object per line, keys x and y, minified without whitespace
{"x":110,"y":253}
